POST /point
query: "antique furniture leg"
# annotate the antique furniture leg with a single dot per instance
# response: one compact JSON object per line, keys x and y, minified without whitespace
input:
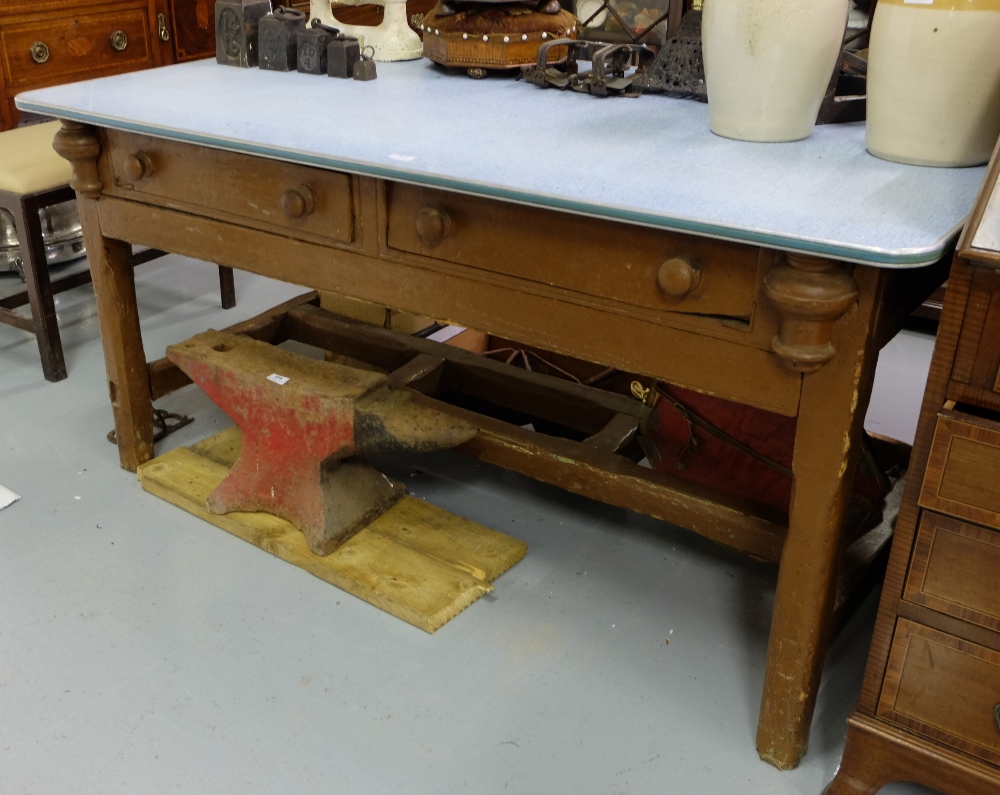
{"x":837,"y":359}
{"x":876,"y":755}
{"x":36,"y":274}
{"x":866,"y":776}
{"x":227,"y":287}
{"x":114,"y":288}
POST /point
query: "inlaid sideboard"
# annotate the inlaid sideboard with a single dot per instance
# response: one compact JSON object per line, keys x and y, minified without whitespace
{"x":48,"y":42}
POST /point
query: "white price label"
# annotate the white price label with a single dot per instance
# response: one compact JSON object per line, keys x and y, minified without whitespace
{"x":280,"y":380}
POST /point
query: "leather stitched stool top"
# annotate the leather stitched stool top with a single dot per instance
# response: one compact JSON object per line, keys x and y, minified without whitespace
{"x":28,"y":163}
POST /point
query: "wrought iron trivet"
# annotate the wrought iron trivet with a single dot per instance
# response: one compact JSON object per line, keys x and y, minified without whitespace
{"x":164,"y":424}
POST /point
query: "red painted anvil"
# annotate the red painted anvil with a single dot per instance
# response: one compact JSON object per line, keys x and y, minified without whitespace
{"x":305,"y":423}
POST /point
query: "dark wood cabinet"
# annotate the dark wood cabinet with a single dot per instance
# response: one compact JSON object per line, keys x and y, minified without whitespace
{"x":185,"y":29}
{"x":48,"y":42}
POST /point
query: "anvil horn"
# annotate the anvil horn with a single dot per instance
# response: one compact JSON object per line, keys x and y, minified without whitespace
{"x":304,"y":424}
{"x":393,"y":421}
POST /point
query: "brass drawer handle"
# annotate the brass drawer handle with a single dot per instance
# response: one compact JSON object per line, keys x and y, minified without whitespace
{"x":119,"y":41}
{"x":161,"y":27}
{"x":996,"y":716}
{"x":39,"y":52}
{"x":139,"y":166}
{"x":298,"y":202}
{"x":679,"y":276}
{"x":433,"y":225}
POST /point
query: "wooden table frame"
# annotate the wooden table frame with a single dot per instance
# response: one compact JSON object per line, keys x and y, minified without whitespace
{"x":806,"y":346}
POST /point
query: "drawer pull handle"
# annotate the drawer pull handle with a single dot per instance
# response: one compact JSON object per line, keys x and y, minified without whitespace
{"x":298,"y":202}
{"x":119,"y":41}
{"x":679,"y":276}
{"x":39,"y":52}
{"x":161,"y":27}
{"x":433,"y":225}
{"x":139,"y":166}
{"x":996,"y":716}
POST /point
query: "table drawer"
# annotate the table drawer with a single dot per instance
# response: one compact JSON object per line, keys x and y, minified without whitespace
{"x":944,"y":688}
{"x":266,"y":194}
{"x":961,"y":478}
{"x":954,"y":570}
{"x":36,"y":6}
{"x":576,"y":253}
{"x":47,"y":51}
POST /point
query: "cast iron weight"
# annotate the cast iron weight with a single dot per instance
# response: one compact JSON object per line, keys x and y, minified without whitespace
{"x":312,"y":47}
{"x":236,"y":24}
{"x":341,"y":55}
{"x":277,"y":36}
{"x":365,"y":68}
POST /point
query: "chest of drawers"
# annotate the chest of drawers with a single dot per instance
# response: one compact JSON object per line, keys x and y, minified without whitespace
{"x":48,"y":42}
{"x":929,"y":711}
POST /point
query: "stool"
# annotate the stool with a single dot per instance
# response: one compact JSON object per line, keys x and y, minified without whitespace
{"x":33,"y":177}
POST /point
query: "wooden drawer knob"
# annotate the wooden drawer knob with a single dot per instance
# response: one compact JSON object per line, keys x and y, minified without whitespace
{"x":298,"y":202}
{"x":679,"y":276}
{"x":433,"y":225}
{"x":119,"y":41}
{"x":138,"y":166}
{"x":39,"y":52}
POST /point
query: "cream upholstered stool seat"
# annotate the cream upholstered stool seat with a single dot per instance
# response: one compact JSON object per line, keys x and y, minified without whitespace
{"x":28,"y":163}
{"x":32,"y":177}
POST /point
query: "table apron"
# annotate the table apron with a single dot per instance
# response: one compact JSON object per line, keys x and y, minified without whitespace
{"x":748,"y":375}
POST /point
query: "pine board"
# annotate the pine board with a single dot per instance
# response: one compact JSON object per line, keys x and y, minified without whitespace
{"x":416,"y":561}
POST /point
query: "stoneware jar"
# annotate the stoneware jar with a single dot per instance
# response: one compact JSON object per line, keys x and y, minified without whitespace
{"x":768,"y":64}
{"x":934,"y":81}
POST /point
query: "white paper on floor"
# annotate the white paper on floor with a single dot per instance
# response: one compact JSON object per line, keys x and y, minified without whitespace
{"x":7,"y":497}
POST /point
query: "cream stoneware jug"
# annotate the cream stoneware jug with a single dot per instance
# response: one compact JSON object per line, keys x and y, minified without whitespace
{"x":768,"y":64}
{"x":934,"y":81}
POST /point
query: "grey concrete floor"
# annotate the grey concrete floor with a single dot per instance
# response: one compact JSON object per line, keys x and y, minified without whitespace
{"x":145,"y":651}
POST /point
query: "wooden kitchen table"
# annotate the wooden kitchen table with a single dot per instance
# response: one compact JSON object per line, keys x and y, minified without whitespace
{"x":620,"y":231}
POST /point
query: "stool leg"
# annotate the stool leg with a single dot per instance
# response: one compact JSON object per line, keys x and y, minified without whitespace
{"x":227,"y":287}
{"x":36,"y":274}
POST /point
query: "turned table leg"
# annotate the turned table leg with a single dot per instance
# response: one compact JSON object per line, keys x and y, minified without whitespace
{"x":827,"y":332}
{"x":114,"y":288}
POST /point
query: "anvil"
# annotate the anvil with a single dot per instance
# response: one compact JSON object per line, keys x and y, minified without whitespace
{"x":305,"y":424}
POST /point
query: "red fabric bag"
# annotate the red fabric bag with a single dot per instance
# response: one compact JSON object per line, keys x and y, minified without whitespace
{"x":677,"y":442}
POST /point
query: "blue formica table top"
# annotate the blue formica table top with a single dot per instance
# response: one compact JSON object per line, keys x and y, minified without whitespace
{"x":649,"y":160}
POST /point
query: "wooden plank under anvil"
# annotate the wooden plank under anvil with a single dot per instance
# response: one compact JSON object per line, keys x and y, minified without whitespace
{"x":416,"y":561}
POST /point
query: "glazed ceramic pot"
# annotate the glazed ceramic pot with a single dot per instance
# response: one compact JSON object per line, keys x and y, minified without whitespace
{"x":934,"y":81}
{"x":768,"y":64}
